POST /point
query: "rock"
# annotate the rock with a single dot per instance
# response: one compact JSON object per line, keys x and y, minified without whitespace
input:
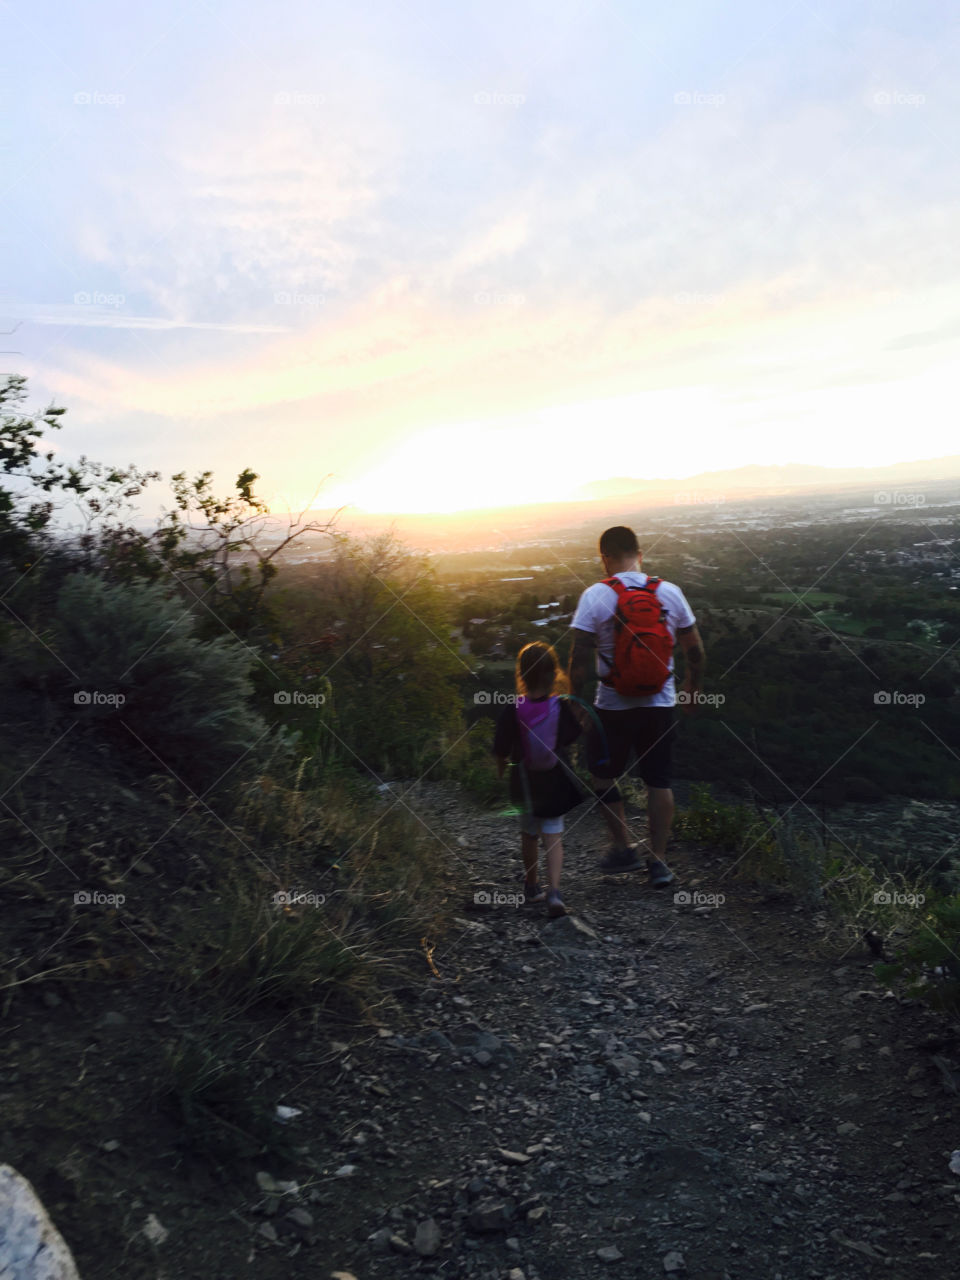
{"x":610,"y":1253}
{"x":31,"y":1247}
{"x":847,"y":1127}
{"x":568,"y":929}
{"x":674,"y":1262}
{"x":346,"y":1171}
{"x":379,"y":1242}
{"x":154,"y":1230}
{"x":427,"y":1240}
{"x":624,"y":1064}
{"x":851,"y":1043}
{"x":537,"y":1213}
{"x":51,"y":999}
{"x":516,"y":1274}
{"x":112,"y":1021}
{"x":491,"y":1215}
{"x":342,"y":1275}
{"x":302,"y":1217}
{"x":512,"y":1157}
{"x":400,"y":1245}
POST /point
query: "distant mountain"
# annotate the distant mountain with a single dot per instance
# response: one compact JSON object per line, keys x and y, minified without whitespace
{"x":756,"y":479}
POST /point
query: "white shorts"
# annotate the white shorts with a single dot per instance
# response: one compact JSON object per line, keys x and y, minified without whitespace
{"x":531,"y":825}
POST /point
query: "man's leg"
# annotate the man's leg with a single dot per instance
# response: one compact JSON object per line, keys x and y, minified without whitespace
{"x":611,"y":806}
{"x":660,"y":815}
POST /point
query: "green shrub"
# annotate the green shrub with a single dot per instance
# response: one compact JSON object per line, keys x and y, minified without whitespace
{"x":185,"y":701}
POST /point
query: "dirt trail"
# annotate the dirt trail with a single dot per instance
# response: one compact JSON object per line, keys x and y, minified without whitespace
{"x":691,"y":1092}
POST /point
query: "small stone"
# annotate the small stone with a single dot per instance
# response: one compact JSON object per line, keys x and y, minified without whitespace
{"x":847,"y":1127}
{"x":268,"y":1231}
{"x":483,"y":1058}
{"x":342,"y":1275}
{"x":427,"y":1240}
{"x":302,"y":1217}
{"x":346,"y":1171}
{"x":538,"y":1213}
{"x":512,"y":1157}
{"x":112,"y":1020}
{"x":399,"y":1245}
{"x":265,"y":1182}
{"x":379,"y":1242}
{"x":154,"y":1230}
{"x":610,"y":1253}
{"x":490,"y":1215}
{"x":675,"y":1261}
{"x":51,"y":999}
{"x":516,"y":1274}
{"x":851,"y":1043}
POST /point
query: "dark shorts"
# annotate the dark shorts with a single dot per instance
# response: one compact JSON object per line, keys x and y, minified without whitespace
{"x":649,"y":731}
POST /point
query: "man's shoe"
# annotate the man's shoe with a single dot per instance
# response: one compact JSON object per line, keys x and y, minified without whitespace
{"x":621,"y":860}
{"x":555,"y":907}
{"x":533,"y":893}
{"x":659,"y":874}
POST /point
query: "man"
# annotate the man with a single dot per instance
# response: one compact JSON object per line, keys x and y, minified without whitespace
{"x":645,"y":724}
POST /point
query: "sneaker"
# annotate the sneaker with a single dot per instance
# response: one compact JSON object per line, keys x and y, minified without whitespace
{"x":533,"y":893}
{"x":555,"y":905}
{"x":658,"y":873}
{"x":621,"y":860}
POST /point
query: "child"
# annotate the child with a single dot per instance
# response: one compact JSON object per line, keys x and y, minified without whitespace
{"x":533,"y":734}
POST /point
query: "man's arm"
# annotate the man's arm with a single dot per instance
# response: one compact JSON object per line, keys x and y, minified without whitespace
{"x":692,"y":646}
{"x":582,"y":662}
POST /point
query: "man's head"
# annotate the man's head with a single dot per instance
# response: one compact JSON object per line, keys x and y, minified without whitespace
{"x":619,"y":549}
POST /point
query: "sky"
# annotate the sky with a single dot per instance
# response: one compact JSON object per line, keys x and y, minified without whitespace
{"x":429,"y":256}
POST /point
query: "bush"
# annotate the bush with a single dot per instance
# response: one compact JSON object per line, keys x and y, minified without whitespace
{"x":143,"y":676}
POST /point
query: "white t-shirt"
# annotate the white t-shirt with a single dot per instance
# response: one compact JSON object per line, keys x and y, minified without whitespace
{"x":595,"y":612}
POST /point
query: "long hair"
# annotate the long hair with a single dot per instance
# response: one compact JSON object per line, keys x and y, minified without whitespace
{"x":538,"y":669}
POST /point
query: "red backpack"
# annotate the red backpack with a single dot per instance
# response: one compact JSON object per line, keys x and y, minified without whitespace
{"x":643,"y":645}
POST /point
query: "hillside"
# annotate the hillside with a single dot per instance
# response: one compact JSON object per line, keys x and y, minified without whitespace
{"x":649,"y":1086}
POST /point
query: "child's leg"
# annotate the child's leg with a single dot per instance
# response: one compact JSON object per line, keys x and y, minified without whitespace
{"x":530,"y":847}
{"x":553,"y":843}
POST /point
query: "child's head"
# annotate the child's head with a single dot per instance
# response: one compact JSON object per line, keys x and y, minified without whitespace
{"x":538,"y":671}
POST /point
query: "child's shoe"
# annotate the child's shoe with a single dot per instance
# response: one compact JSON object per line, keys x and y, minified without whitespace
{"x":659,"y":874}
{"x":555,"y":905}
{"x":533,"y":893}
